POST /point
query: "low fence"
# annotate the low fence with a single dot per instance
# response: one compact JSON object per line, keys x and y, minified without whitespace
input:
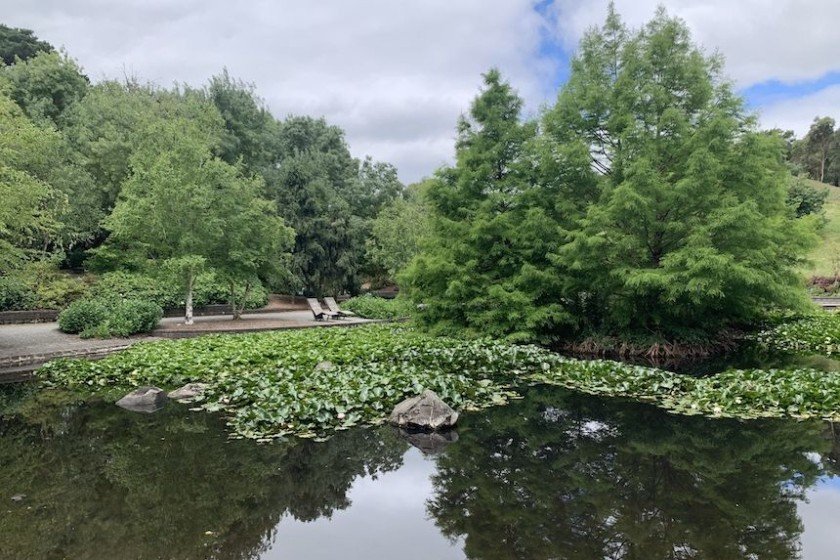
{"x":34,"y":316}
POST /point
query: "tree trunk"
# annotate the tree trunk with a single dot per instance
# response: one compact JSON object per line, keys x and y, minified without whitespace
{"x":822,"y":169}
{"x":188,"y":315}
{"x":237,"y":311}
{"x":233,"y":308}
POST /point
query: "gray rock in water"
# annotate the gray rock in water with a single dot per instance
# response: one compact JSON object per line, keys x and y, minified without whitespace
{"x":426,"y":412}
{"x":326,"y":365}
{"x":144,"y":399}
{"x":188,"y":392}
{"x":430,"y":443}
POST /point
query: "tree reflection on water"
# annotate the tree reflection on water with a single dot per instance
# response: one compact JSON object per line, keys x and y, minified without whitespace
{"x":106,"y":483}
{"x":554,"y":475}
{"x":564,"y":476}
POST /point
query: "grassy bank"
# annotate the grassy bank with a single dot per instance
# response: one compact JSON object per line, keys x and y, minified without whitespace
{"x":825,"y":256}
{"x":271,"y":385}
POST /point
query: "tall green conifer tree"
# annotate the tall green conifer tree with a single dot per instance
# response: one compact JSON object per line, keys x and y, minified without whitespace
{"x":689,"y":234}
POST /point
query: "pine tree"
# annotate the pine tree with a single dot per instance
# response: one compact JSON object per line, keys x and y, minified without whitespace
{"x":485,"y":264}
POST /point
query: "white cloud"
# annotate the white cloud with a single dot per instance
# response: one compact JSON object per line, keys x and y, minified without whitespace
{"x":787,"y":40}
{"x":798,"y":114}
{"x":395,"y":75}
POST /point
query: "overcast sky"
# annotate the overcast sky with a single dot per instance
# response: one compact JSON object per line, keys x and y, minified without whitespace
{"x":395,"y":74}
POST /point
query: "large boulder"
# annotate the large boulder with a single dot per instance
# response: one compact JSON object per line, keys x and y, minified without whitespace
{"x":424,"y":412}
{"x":144,"y":399}
{"x":188,"y":392}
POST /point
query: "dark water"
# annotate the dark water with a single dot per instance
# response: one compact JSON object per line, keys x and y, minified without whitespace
{"x":555,"y":475}
{"x":746,"y":356}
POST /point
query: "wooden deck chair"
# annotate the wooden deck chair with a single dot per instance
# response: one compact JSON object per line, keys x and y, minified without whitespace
{"x":317,"y":311}
{"x":333,"y":306}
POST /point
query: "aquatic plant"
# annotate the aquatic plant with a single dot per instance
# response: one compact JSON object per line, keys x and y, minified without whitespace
{"x":818,"y":334}
{"x":311,"y":382}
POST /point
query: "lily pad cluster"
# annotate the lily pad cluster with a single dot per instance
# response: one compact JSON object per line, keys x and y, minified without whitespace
{"x":270,"y":385}
{"x":818,"y":334}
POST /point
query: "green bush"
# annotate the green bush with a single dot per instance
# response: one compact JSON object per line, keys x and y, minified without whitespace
{"x":373,"y":307}
{"x":16,"y":295}
{"x":103,"y":318}
{"x":167,"y":292}
{"x":82,"y":314}
{"x":61,"y":290}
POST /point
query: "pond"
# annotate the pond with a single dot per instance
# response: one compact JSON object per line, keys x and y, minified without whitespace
{"x":554,"y":475}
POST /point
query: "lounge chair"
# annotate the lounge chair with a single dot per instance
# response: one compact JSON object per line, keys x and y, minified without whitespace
{"x":333,"y":306}
{"x":318,"y":312}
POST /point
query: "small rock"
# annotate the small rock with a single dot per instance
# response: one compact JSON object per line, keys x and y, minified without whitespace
{"x":144,"y":399}
{"x":425,"y":412}
{"x":188,"y":392}
{"x":18,"y":497}
{"x":326,"y":365}
{"x":429,"y":443}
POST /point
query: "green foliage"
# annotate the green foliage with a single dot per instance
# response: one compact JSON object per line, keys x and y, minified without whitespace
{"x":103,"y":318}
{"x":397,"y":233}
{"x":486,"y":265}
{"x":818,"y":153}
{"x":167,"y":291}
{"x":250,"y":131}
{"x":818,"y":334}
{"x":17,"y":43}
{"x":27,"y":215}
{"x":328,"y":199}
{"x":83,"y":314}
{"x":16,"y":295}
{"x":190,"y":210}
{"x":648,"y":203}
{"x":804,"y":199}
{"x":690,"y":232}
{"x":45,"y":85}
{"x":373,"y":307}
{"x":268,"y":385}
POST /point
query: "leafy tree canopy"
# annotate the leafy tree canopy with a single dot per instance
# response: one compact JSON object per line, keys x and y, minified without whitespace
{"x":17,"y":43}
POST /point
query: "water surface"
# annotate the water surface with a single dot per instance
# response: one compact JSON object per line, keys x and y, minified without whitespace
{"x":555,"y":475}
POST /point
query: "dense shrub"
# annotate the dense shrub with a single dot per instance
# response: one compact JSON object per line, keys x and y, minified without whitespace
{"x":104,"y":318}
{"x":40,"y":287}
{"x":15,"y":295}
{"x":59,"y":291}
{"x":372,"y":307}
{"x":82,"y":314}
{"x":167,"y":292}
